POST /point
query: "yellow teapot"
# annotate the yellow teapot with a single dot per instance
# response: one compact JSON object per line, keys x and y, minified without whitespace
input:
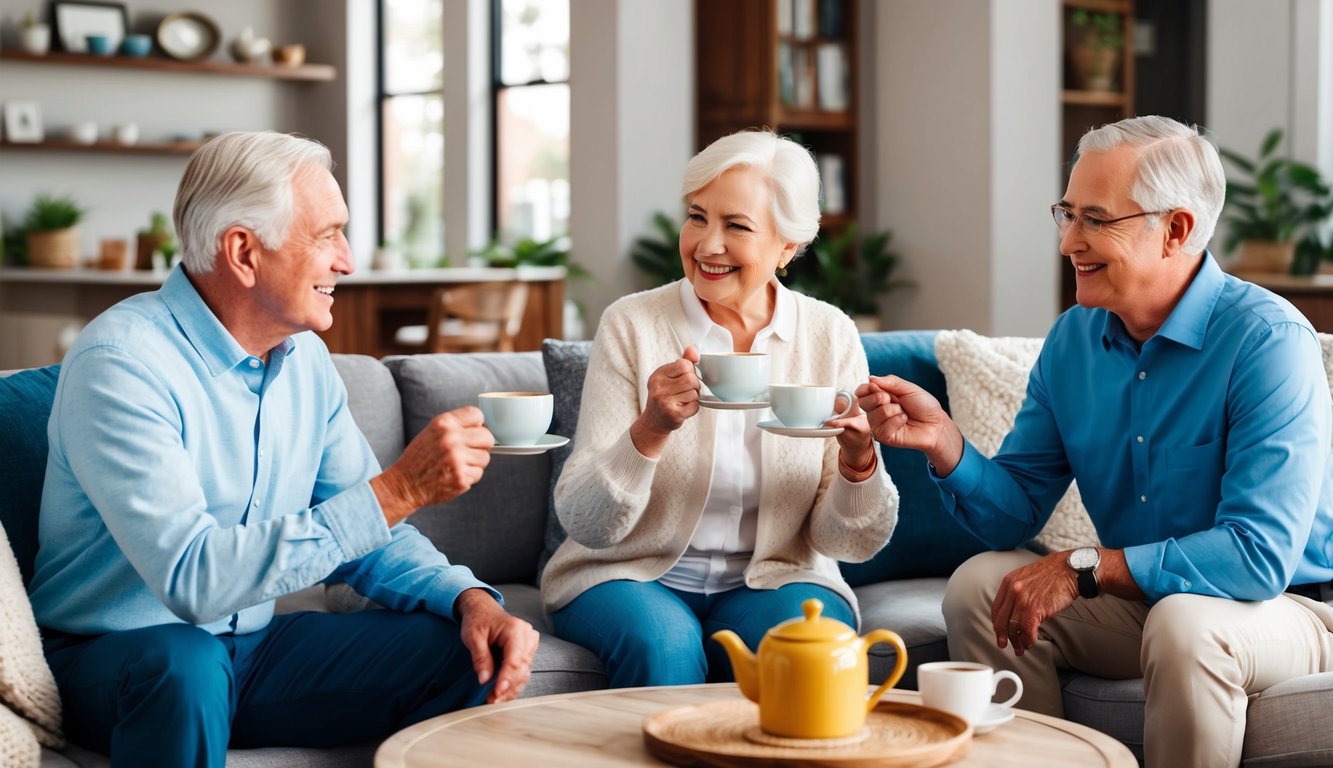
{"x":811,"y":675}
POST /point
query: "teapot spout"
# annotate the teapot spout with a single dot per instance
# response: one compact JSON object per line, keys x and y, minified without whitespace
{"x":742,"y":663}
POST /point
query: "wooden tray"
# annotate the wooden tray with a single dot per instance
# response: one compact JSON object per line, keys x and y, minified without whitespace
{"x":714,"y":734}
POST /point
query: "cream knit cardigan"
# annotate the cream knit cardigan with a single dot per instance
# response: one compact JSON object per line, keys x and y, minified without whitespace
{"x":631,"y":517}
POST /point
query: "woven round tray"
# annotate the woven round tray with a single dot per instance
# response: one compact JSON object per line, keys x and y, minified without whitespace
{"x":715,"y":734}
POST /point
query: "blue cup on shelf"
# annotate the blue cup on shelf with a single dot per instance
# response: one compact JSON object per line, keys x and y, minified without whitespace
{"x":99,"y":44}
{"x":137,"y":45}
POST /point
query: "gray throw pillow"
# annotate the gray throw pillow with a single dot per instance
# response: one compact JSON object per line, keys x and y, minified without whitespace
{"x":566,"y":366}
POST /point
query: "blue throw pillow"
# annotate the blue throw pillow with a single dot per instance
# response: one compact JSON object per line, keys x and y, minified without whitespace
{"x":927,"y":541}
{"x":25,"y":408}
{"x":566,"y":367}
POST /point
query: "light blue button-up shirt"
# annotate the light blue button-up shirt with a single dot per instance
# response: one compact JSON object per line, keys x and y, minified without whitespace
{"x":1204,"y":453}
{"x":188,"y":481}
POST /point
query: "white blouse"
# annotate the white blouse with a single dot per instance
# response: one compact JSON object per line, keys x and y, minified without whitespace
{"x":724,"y":540}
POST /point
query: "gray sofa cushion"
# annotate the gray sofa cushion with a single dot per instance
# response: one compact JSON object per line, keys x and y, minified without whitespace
{"x":373,"y":399}
{"x":1114,"y":707}
{"x":1286,"y":724}
{"x":512,"y":495}
{"x":566,"y":365}
{"x":560,"y":666}
{"x":910,"y":607}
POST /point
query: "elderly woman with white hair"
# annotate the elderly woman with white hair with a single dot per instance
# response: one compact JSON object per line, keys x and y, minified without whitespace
{"x":683,"y":520}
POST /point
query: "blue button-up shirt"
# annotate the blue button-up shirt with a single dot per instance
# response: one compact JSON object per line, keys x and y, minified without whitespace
{"x":1203,"y":452}
{"x":188,"y":481}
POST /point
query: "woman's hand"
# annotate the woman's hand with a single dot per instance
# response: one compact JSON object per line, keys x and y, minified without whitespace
{"x":903,"y":415}
{"x":856,"y":448}
{"x":673,"y":397}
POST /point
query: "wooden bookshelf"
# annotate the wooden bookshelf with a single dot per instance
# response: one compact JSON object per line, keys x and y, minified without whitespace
{"x":306,"y":72}
{"x":788,"y":65}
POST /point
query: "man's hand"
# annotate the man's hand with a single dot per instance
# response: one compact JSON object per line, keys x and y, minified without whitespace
{"x":673,"y":397}
{"x":1030,"y":595}
{"x":441,"y":463}
{"x":903,"y":415}
{"x":486,"y":625}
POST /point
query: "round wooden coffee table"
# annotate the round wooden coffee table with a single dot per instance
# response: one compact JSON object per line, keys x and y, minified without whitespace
{"x":604,"y":728}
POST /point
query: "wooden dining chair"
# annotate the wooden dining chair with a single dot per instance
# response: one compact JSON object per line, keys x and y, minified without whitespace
{"x":477,"y":317}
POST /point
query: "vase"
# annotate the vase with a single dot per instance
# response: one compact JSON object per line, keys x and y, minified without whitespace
{"x":1094,"y":67}
{"x":1265,"y":256}
{"x":36,"y":39}
{"x":54,"y":248}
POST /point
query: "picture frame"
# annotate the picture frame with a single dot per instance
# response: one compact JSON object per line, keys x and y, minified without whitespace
{"x":73,"y":20}
{"x":23,"y":122}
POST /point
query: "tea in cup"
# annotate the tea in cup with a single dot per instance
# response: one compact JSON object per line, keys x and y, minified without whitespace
{"x":806,"y":406}
{"x":736,"y":377}
{"x":517,"y":418}
{"x":964,"y":688}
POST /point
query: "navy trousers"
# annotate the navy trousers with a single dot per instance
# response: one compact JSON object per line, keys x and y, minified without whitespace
{"x":175,"y":695}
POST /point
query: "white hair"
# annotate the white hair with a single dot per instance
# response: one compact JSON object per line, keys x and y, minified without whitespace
{"x":240,"y":179}
{"x":1178,"y":168}
{"x":786,"y":167}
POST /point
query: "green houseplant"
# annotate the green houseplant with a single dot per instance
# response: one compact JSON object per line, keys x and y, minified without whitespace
{"x":1096,"y":42}
{"x":848,"y":272}
{"x":1271,"y":202}
{"x":156,"y":237}
{"x":51,"y":234}
{"x":658,"y":255}
{"x":527,"y":252}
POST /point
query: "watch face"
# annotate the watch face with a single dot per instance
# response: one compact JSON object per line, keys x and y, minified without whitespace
{"x":1083,"y":559}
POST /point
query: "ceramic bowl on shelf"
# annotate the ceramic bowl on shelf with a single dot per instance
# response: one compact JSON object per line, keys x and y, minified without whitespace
{"x":99,"y":45}
{"x":83,"y":133}
{"x":290,"y":55}
{"x":137,"y":46}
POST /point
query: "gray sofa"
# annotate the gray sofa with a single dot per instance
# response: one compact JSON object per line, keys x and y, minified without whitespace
{"x":503,"y":529}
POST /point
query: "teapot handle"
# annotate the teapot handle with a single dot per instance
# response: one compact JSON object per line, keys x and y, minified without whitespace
{"x":885,"y":636}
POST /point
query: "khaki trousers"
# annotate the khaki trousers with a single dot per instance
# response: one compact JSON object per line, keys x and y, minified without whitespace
{"x":1200,"y":657}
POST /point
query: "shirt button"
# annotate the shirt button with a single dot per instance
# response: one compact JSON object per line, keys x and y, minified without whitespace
{"x":1187,"y":584}
{"x":254,"y":363}
{"x":255,"y":503}
{"x":1143,"y":499}
{"x":1143,"y":375}
{"x":1140,"y":438}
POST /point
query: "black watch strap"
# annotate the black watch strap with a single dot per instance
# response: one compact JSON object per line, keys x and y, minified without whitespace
{"x":1087,"y":584}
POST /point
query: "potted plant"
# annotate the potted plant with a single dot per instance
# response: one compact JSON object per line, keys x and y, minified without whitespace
{"x":659,"y":256}
{"x":1271,"y":202}
{"x":1096,"y":43}
{"x":527,"y":252}
{"x":35,"y":37}
{"x":852,"y":280}
{"x":53,"y":240}
{"x":156,"y":237}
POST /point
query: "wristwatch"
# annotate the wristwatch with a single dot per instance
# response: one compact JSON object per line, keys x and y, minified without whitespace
{"x":1084,"y":561}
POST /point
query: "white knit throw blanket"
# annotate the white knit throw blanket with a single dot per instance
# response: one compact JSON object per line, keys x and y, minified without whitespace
{"x":31,"y":712}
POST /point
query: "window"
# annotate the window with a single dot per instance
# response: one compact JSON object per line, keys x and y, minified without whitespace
{"x":411,"y":119}
{"x":531,"y":71}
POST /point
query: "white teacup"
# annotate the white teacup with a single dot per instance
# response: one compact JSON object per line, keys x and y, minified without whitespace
{"x":517,"y":418}
{"x":963,"y":688}
{"x":736,"y":377}
{"x":806,"y":406}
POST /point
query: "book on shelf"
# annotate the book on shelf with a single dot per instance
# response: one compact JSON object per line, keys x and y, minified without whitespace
{"x":786,"y":76}
{"x":784,"y":17}
{"x":831,"y":65}
{"x":803,"y":71}
{"x":804,"y":22}
{"x":834,"y":183}
{"x":831,"y":19}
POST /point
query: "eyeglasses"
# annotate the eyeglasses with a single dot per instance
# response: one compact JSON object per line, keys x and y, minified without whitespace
{"x":1065,"y":218}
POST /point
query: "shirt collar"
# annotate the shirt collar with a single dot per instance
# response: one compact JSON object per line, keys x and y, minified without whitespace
{"x":205,"y":332}
{"x":1188,"y":322}
{"x":782,"y":324}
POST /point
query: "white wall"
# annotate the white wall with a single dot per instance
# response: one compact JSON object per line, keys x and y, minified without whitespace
{"x":967,"y":129}
{"x":631,"y":133}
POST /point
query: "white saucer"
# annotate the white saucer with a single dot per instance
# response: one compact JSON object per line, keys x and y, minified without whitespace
{"x":711,"y":401}
{"x":544,"y":444}
{"x":994,"y":717}
{"x":775,"y":426}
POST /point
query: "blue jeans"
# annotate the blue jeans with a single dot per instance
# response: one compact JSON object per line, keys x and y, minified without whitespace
{"x":174,"y":695}
{"x":650,"y":634}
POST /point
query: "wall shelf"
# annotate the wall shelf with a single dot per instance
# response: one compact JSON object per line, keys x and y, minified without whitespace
{"x":106,"y":147}
{"x":306,"y":72}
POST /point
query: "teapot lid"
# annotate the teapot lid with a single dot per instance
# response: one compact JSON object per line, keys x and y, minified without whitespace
{"x":812,"y":627}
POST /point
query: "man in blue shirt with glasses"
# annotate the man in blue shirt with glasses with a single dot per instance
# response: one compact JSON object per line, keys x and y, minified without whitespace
{"x":203,"y":462}
{"x":1194,"y":412}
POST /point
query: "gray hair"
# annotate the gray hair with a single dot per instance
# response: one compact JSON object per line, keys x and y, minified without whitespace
{"x":1178,"y":168}
{"x":786,"y":167}
{"x":240,"y":179}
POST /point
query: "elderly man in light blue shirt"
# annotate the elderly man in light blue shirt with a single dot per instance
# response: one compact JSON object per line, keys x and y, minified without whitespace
{"x":203,"y":462}
{"x":1194,"y":412}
